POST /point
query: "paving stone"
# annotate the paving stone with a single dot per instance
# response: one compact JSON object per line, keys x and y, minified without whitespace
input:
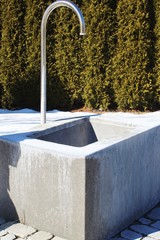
{"x":2,"y":221}
{"x":8,"y":237}
{"x":41,"y":235}
{"x":21,"y":230}
{"x":128,"y":234}
{"x":156,"y":225}
{"x":6,"y":225}
{"x":21,"y":238}
{"x":148,"y":238}
{"x":149,"y":229}
{"x":58,"y":238}
{"x":143,"y":229}
{"x":155,"y":235}
{"x":145,"y":221}
{"x":154,"y":214}
{"x":119,"y":238}
{"x":3,"y":232}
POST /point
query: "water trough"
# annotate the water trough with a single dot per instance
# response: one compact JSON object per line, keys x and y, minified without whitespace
{"x":82,"y":179}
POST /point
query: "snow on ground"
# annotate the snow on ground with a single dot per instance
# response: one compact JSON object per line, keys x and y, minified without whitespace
{"x":25,"y":119}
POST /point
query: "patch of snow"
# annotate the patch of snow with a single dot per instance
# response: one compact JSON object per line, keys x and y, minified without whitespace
{"x":23,"y":120}
{"x":150,"y":119}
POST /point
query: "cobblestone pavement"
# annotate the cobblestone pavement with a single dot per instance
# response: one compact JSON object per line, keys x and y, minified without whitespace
{"x":18,"y":231}
{"x":146,"y":228}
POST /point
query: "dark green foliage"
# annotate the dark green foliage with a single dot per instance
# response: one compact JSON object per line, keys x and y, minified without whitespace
{"x":99,"y":46}
{"x":12,"y":52}
{"x":132,"y":63}
{"x":157,"y":47}
{"x":0,"y":48}
{"x":117,"y":64}
{"x":34,"y":13}
{"x":0,"y":24}
{"x":68,"y":54}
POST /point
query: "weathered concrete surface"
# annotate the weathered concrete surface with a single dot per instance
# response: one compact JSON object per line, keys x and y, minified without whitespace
{"x":122,"y":183}
{"x":147,"y":222}
{"x":43,"y":189}
{"x":88,"y":192}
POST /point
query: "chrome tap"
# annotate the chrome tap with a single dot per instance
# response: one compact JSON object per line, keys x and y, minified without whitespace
{"x":56,"y":4}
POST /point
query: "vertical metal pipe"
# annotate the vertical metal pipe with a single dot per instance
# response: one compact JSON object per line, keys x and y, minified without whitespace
{"x":76,"y":10}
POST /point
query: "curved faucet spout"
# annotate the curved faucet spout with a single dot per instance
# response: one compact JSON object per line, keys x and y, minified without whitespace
{"x":56,"y":4}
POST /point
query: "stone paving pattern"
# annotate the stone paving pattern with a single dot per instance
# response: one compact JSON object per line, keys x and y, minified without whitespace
{"x":18,"y":231}
{"x":145,"y":228}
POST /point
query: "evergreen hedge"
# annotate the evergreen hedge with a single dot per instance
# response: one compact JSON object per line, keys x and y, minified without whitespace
{"x":98,"y":48}
{"x":12,"y":52}
{"x":68,"y":53}
{"x":132,"y":63}
{"x":33,"y":16}
{"x":116,"y":65}
{"x":157,"y":47}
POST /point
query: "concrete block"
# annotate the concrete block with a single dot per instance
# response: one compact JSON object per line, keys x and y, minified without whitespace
{"x":8,"y":237}
{"x":143,"y":229}
{"x":58,"y":238}
{"x":21,"y":230}
{"x":145,"y":221}
{"x":41,"y":235}
{"x":2,"y":233}
{"x":117,"y":238}
{"x":154,"y":214}
{"x":21,"y":238}
{"x":148,"y":238}
{"x":155,"y":235}
{"x":6,"y":225}
{"x":156,"y":225}
{"x":90,"y":188}
{"x":128,"y":234}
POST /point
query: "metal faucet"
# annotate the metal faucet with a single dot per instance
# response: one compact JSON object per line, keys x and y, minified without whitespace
{"x":77,"y":11}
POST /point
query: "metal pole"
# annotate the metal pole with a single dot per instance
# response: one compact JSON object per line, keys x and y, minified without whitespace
{"x":48,"y":11}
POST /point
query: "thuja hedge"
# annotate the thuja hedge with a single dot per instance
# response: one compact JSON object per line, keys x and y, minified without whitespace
{"x":157,"y":46}
{"x":133,"y":61}
{"x":99,"y":46}
{"x":12,"y":52}
{"x":116,"y":65}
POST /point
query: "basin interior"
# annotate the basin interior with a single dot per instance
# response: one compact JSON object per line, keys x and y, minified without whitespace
{"x":82,"y":132}
{"x":78,"y":135}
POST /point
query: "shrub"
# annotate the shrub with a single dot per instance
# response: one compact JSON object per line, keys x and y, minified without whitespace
{"x":116,"y":65}
{"x":132,"y":63}
{"x":98,"y":47}
{"x":157,"y":47}
{"x":12,"y":52}
{"x":68,"y":52}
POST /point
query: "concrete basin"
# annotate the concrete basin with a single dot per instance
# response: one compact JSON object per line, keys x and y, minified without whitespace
{"x":83,"y":179}
{"x":85,"y":131}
